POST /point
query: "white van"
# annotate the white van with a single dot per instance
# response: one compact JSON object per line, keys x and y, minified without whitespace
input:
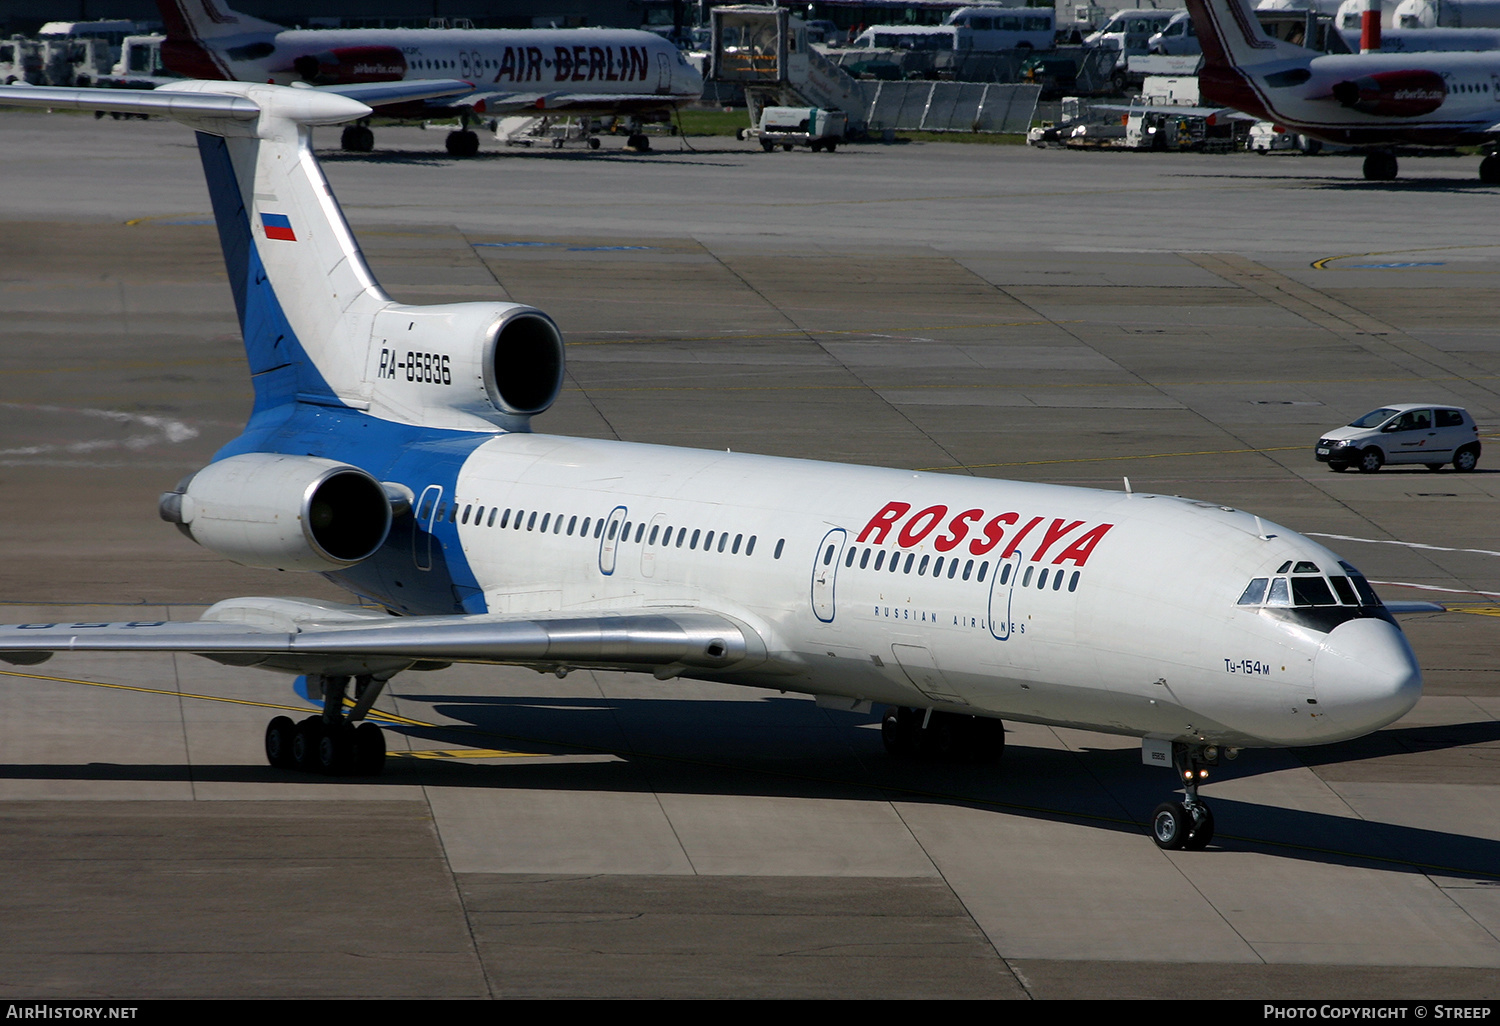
{"x":1130,"y":32}
{"x":911,"y":37}
{"x":1016,"y":28}
{"x":1424,"y":433}
{"x":1178,"y":39}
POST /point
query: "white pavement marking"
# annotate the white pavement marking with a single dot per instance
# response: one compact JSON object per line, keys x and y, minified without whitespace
{"x":1405,"y":544}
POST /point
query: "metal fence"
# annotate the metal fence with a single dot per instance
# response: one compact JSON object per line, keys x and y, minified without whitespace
{"x":950,"y":107}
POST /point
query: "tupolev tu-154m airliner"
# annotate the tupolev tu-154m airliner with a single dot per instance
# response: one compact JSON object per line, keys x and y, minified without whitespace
{"x":390,"y":449}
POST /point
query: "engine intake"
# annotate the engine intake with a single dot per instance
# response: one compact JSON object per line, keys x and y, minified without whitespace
{"x":1393,"y":94}
{"x":282,"y":512}
{"x":350,"y":64}
{"x":499,"y":362}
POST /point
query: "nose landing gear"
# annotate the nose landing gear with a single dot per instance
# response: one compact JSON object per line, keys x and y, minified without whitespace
{"x":330,"y":744}
{"x":1187,"y":825}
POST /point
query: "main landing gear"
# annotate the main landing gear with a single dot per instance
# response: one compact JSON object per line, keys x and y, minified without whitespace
{"x":1380,"y":167}
{"x":1187,"y":825}
{"x":464,"y":142}
{"x":357,"y":138}
{"x":949,"y":737}
{"x":330,"y":743}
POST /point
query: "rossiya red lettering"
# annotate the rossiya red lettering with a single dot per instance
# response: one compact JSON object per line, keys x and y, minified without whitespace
{"x":895,"y":522}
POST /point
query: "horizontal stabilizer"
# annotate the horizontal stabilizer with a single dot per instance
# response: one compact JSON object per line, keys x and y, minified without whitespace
{"x":132,"y":101}
{"x":213,"y":107}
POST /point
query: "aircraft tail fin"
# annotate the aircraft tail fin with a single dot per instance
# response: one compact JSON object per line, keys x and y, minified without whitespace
{"x":317,"y":326}
{"x":1231,"y":36}
{"x":201,"y":34}
{"x":1233,"y":43}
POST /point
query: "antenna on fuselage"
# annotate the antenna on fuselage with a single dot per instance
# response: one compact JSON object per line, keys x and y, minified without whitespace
{"x":1127,"y":486}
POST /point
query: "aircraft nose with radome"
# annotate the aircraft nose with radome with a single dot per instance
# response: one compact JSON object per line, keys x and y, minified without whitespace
{"x":1366,"y":676}
{"x":390,"y":449}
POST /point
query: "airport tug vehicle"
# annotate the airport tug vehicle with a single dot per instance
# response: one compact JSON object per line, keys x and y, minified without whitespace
{"x":390,"y":450}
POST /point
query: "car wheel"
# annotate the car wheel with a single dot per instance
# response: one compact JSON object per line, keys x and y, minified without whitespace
{"x":1371,"y":460}
{"x":1433,"y":466}
{"x":1337,"y":468}
{"x":1466,"y":459}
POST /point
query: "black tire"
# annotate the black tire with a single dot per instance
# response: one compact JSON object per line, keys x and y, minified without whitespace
{"x":279,"y":742}
{"x":1433,"y":466}
{"x":593,"y":143}
{"x":1337,"y":468}
{"x":1489,"y":170}
{"x":1170,"y":825}
{"x":1202,"y":831}
{"x":985,"y":742}
{"x":1381,"y":167}
{"x":462,"y":143}
{"x":831,"y":145}
{"x":816,"y":147}
{"x":786,"y":147}
{"x":369,"y":750}
{"x":1369,"y":461}
{"x":1466,"y":459}
{"x":335,"y":753}
{"x":767,"y":145}
{"x":305,"y":744}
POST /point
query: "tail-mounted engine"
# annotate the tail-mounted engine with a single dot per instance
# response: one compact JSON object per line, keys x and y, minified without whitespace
{"x":282,"y":512}
{"x":349,"y":64}
{"x":1393,"y":94}
{"x":500,"y":362}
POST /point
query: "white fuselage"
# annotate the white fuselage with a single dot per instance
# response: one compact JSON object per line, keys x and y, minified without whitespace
{"x":1102,"y":610}
{"x":599,"y":61}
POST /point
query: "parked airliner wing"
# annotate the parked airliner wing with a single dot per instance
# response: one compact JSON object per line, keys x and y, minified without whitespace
{"x":302,"y":636}
{"x":378,"y":94}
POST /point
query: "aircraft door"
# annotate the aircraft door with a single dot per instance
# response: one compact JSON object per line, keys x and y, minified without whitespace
{"x":648,"y":550}
{"x":465,"y":65}
{"x":425,"y":517}
{"x":1002,"y":590}
{"x":663,"y":74}
{"x":922,"y":670}
{"x":608,"y":541}
{"x":826,"y":571}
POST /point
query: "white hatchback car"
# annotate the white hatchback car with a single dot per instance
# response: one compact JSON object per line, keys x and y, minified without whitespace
{"x":1422,"y":433}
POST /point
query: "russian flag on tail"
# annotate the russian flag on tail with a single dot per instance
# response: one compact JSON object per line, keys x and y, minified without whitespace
{"x":278,"y":226}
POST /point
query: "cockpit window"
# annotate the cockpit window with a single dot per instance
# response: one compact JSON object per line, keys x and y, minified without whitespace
{"x":1345,"y":590}
{"x":1307,"y":598}
{"x":1367,"y":596}
{"x":1312,"y":591}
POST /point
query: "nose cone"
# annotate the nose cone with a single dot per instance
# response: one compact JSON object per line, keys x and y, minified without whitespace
{"x":1365,"y":676}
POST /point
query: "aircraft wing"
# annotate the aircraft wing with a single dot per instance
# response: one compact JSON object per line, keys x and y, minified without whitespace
{"x":572,"y":103}
{"x":307,"y":637}
{"x":1218,"y":113}
{"x":1407,"y":608}
{"x":381,"y":94}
